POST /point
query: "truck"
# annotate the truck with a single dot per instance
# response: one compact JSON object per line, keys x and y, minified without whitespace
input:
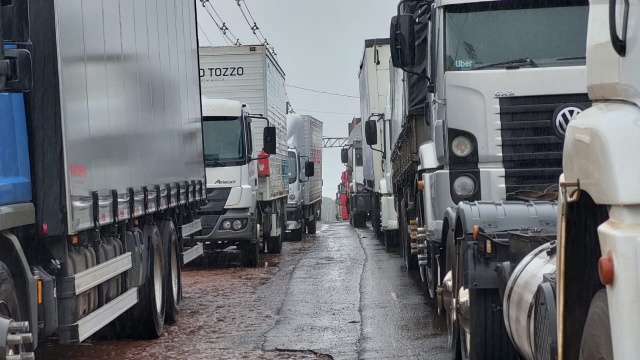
{"x":477,"y":161}
{"x":359,"y":201}
{"x":305,"y":184}
{"x":374,"y":105}
{"x":102,"y":168}
{"x":597,"y":277}
{"x":245,"y":140}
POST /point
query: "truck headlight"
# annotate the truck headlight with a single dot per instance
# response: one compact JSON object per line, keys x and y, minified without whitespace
{"x":461,"y":146}
{"x":226,"y":225}
{"x":464,"y":186}
{"x":237,"y":225}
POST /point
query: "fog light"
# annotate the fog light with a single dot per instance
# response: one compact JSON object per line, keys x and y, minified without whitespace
{"x":237,"y":225}
{"x":464,"y":186}
{"x":226,"y":225}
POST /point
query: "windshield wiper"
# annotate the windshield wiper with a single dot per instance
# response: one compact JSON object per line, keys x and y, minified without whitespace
{"x":572,"y":58}
{"x":525,"y":61}
{"x":216,"y":163}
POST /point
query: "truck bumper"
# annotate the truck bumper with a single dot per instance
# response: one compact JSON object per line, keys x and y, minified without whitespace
{"x":294,"y":217}
{"x":620,"y":239}
{"x":360,"y":203}
{"x":212,"y":229}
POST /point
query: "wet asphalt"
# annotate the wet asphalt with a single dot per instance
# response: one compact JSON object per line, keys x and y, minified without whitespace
{"x":338,"y":294}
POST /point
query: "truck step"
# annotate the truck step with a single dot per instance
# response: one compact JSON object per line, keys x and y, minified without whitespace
{"x":191,"y":228}
{"x":192,"y":253}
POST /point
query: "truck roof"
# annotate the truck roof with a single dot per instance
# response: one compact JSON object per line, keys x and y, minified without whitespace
{"x":221,"y":107}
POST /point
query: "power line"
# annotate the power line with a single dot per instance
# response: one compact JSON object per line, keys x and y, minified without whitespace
{"x":254,"y":27}
{"x":227,"y":34}
{"x":323,"y":92}
{"x":205,"y":34}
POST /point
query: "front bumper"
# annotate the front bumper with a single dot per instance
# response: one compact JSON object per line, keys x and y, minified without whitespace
{"x":294,"y":218}
{"x":212,"y":226}
{"x":360,"y":203}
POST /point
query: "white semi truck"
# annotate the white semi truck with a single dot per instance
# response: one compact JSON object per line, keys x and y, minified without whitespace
{"x":102,"y":168}
{"x":597,"y":281}
{"x":478,"y":157}
{"x":374,"y":92}
{"x":245,"y":149}
{"x":304,"y":173}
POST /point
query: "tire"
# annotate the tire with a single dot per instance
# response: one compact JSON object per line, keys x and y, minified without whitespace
{"x":173,"y":278}
{"x":489,"y":338}
{"x":311,"y":226}
{"x":596,"y":337}
{"x":150,"y":311}
{"x":432,"y":271}
{"x":274,"y":244}
{"x":9,"y":307}
{"x":360,"y":221}
{"x":296,"y":234}
{"x":250,"y":254}
{"x":389,"y":240}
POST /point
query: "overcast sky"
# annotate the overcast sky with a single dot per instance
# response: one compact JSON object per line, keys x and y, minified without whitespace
{"x":319,"y":44}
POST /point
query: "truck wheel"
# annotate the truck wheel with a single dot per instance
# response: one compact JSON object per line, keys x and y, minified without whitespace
{"x":151,"y":308}
{"x":596,"y":336}
{"x":274,"y":244}
{"x":432,"y":271}
{"x":389,"y":240}
{"x":250,"y":254}
{"x":311,"y":226}
{"x":360,"y":221}
{"x":9,"y":308}
{"x":296,"y":234}
{"x":487,"y":338}
{"x":173,"y":281}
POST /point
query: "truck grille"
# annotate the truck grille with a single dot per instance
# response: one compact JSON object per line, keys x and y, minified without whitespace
{"x":532,"y":153}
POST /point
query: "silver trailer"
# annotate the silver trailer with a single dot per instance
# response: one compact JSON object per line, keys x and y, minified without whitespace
{"x":116,"y":170}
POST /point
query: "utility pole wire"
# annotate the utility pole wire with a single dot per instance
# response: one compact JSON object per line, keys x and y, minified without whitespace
{"x":255,"y":28}
{"x":227,"y":34}
{"x":323,"y":92}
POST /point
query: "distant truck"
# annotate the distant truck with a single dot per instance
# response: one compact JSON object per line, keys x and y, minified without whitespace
{"x":374,"y":105}
{"x":245,"y":154}
{"x":305,"y":183}
{"x":101,"y":168}
{"x":359,"y":201}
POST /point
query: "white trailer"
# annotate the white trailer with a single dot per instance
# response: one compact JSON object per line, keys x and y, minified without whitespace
{"x":305,"y":184}
{"x":374,"y":93}
{"x":254,"y":84}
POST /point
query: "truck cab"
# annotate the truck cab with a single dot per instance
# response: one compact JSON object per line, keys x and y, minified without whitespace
{"x":299,"y":173}
{"x":232,"y":165}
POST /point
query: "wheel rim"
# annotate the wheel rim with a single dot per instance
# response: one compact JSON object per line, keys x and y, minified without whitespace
{"x":174,"y":274}
{"x":157,"y":277}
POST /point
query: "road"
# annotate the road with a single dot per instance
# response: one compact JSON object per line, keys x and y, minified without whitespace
{"x":335,"y":295}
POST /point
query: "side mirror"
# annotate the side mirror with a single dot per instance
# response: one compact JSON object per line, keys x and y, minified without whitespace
{"x":269,"y":140}
{"x":371,"y":132}
{"x":18,"y":77}
{"x":344,"y":156}
{"x":403,"y":41}
{"x":309,"y":169}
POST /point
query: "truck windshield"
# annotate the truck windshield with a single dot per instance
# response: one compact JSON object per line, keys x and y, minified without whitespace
{"x":292,"y":167}
{"x":223,"y":141}
{"x":499,"y":34}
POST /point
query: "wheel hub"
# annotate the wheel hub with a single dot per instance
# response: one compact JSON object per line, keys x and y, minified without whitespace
{"x":15,"y":335}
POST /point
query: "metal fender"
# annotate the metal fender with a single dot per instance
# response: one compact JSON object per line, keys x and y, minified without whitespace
{"x":600,"y":150}
{"x":506,"y":216}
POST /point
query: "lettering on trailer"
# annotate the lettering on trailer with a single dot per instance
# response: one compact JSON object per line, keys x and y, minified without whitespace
{"x":225,"y":182}
{"x":219,"y":73}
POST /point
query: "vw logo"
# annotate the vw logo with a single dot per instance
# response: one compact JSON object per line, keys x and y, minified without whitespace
{"x":563,"y":116}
